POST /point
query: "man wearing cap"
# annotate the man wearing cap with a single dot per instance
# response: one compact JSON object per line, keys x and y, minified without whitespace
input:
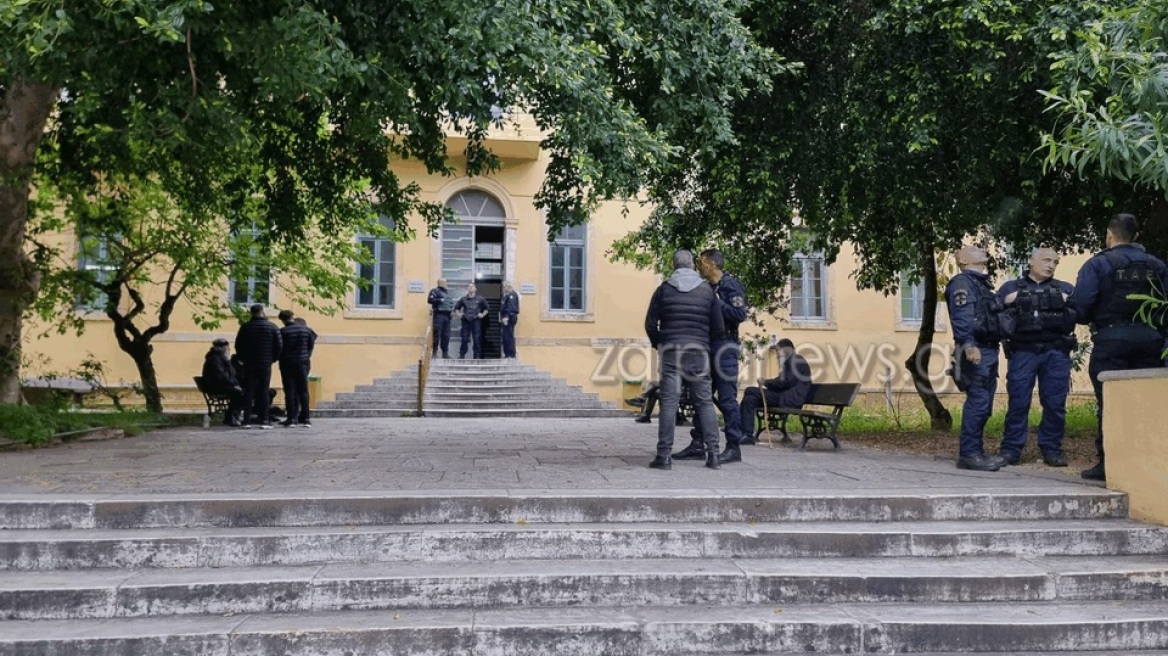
{"x":219,"y":378}
{"x":787,"y":390}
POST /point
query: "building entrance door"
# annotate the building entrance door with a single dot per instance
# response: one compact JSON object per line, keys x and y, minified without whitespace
{"x":472,"y":252}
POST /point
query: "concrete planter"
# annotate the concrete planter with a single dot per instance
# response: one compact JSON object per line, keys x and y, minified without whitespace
{"x":1135,"y":429}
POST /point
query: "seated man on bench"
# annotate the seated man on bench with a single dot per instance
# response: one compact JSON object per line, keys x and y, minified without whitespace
{"x":219,"y":379}
{"x":652,"y":395}
{"x":788,"y":390}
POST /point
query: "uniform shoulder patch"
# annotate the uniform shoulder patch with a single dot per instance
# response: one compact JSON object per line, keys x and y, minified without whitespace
{"x":738,"y":302}
{"x":960,"y":297}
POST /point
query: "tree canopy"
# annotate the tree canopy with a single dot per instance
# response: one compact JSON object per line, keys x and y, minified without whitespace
{"x":293,"y":110}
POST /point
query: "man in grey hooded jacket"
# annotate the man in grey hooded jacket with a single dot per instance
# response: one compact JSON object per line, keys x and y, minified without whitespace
{"x":683,"y":318}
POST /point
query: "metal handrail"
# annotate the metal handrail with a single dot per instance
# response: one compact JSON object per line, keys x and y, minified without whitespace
{"x":424,"y":368}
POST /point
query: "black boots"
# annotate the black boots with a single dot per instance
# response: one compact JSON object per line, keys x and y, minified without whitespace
{"x":731,"y":454}
{"x":1095,"y":473}
{"x":981,"y":462}
{"x":661,"y":462}
{"x":712,"y":460}
{"x":695,"y":451}
{"x":1054,"y":459}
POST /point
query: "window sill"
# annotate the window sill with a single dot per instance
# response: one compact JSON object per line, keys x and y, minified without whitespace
{"x":567,"y":317}
{"x":92,"y":315}
{"x":374,"y":313}
{"x":915,"y":327}
{"x":812,"y":324}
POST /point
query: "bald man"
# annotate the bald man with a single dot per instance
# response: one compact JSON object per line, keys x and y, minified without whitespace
{"x":1039,"y":336}
{"x":974,"y":312}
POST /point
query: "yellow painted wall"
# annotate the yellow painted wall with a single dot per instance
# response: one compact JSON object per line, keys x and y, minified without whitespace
{"x":862,"y":339}
{"x":1134,"y":440}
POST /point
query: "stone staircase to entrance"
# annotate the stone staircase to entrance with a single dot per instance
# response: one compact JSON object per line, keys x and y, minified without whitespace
{"x":648,"y":573}
{"x":471,"y":388}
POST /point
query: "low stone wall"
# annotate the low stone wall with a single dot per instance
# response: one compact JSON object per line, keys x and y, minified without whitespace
{"x":1135,"y":429}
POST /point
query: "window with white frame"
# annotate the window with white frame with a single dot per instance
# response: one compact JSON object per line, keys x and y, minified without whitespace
{"x":912,"y":300}
{"x":809,"y":288}
{"x":568,"y":256}
{"x":250,"y":281}
{"x":93,"y":257}
{"x":377,"y":290}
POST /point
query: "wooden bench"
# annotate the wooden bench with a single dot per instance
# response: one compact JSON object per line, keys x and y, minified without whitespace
{"x":816,"y":423}
{"x":216,"y":402}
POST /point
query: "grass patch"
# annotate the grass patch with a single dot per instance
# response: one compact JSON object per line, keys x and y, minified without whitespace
{"x":36,"y":425}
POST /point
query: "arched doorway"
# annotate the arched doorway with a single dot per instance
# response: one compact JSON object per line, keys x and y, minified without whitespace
{"x":473,"y":251}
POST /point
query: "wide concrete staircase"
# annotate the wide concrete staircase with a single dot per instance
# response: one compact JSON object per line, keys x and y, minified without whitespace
{"x":471,"y":388}
{"x":582,"y":572}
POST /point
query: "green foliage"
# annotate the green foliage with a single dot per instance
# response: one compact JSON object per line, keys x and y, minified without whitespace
{"x":36,"y":425}
{"x":1110,"y":96}
{"x":31,"y":425}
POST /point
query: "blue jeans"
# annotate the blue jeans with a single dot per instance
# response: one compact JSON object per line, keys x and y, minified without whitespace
{"x":1121,"y":347}
{"x":691,"y":363}
{"x":979,"y":401}
{"x":1051,"y":369}
{"x":724,"y":356}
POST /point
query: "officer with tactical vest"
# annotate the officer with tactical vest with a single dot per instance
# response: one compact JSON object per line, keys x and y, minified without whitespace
{"x":442,"y":306}
{"x":724,"y":351}
{"x":974,"y":311}
{"x":1039,"y":328}
{"x":1119,"y":339}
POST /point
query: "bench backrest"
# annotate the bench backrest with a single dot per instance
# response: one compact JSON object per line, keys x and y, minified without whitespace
{"x":199,"y":384}
{"x":836,"y":394}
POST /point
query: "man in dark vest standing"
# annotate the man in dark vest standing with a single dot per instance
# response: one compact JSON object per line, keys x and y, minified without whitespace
{"x":683,"y":319}
{"x":1119,"y":340}
{"x":441,"y":307}
{"x":1039,"y":340}
{"x":471,"y":309}
{"x":508,"y":317}
{"x":258,"y":345}
{"x":973,"y":311}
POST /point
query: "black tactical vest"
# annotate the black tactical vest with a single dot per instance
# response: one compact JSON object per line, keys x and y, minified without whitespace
{"x":1131,"y":273}
{"x":986,"y":325}
{"x":1041,"y":313}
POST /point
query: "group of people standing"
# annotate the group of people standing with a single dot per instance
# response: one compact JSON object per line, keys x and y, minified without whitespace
{"x":246,"y":377}
{"x":471,"y":310}
{"x":1034,"y":318}
{"x":692,"y":322}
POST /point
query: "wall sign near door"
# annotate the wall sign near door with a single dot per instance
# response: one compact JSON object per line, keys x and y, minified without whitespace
{"x":417,"y":287}
{"x":527,"y":288}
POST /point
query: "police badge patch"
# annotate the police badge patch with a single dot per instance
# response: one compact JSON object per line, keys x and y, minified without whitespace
{"x":738,"y":302}
{"x":960,"y":297}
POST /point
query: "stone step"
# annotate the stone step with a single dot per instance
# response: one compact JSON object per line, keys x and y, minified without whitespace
{"x":589,"y":506}
{"x":641,"y":631}
{"x":526,"y":405}
{"x":83,"y":594}
{"x":462,"y":395}
{"x":63,"y":549}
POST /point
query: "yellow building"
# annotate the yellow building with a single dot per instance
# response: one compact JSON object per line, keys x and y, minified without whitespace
{"x":581,"y":316}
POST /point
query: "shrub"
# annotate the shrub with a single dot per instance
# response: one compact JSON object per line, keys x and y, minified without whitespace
{"x":29,"y":424}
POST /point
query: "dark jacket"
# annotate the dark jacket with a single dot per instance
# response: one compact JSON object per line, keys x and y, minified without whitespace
{"x":298,"y":344}
{"x":471,"y":308}
{"x":732,"y":295}
{"x":510,"y":305}
{"x":684,"y":310}
{"x":795,"y":378}
{"x":1100,"y":299}
{"x":440,"y":301}
{"x":218,"y":375}
{"x":973,"y":310}
{"x":258,"y":343}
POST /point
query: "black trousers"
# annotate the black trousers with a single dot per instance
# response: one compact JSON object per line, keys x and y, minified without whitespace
{"x":295,"y":378}
{"x":442,"y":333}
{"x":256,"y":382}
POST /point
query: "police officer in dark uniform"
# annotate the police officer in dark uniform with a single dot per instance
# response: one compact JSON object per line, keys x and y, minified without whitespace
{"x":724,"y":352}
{"x":1120,"y":341}
{"x":441,"y":306}
{"x":973,"y":311}
{"x":472,"y":309}
{"x":1039,"y":328}
{"x":508,"y":317}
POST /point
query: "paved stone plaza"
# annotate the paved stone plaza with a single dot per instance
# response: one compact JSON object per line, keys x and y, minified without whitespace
{"x":341,"y":455}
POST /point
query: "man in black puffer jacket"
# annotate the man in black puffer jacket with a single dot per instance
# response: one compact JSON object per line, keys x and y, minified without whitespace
{"x":299,"y":340}
{"x":258,"y":344}
{"x":683,"y":317}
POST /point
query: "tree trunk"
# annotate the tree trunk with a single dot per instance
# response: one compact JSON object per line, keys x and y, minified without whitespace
{"x":918,"y":363}
{"x":143,"y":356}
{"x":26,"y":107}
